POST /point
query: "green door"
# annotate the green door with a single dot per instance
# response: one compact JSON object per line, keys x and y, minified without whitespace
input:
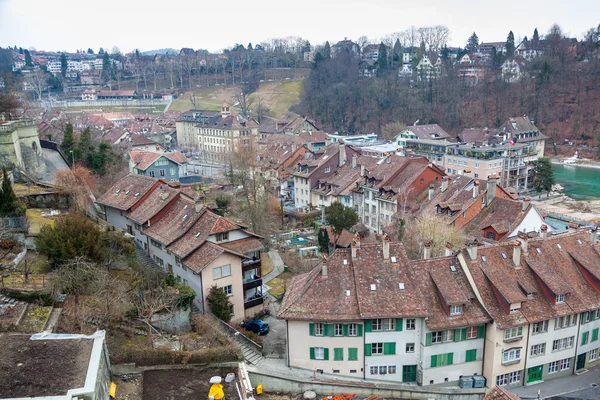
{"x":409,"y":373}
{"x":580,"y":361}
{"x":534,"y":374}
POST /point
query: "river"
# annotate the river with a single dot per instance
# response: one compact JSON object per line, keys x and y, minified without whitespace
{"x":580,"y":183}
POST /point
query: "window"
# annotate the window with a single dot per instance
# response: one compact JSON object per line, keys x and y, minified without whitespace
{"x":222,"y":236}
{"x":352,"y":354}
{"x":538,"y":349}
{"x":562,"y":344}
{"x":508,"y":379}
{"x":515,"y":308}
{"x":563,"y":364}
{"x":410,"y":324}
{"x":327,"y":170}
{"x":352,"y":330}
{"x":490,"y":235}
{"x":410,"y":347}
{"x":155,"y":243}
{"x":560,"y":299}
{"x":221,"y":272}
{"x":456,"y":310}
{"x":471,"y":355}
{"x":374,"y":370}
{"x":563,"y":322}
{"x":376,"y":348}
{"x":436,"y":337}
{"x":511,"y":355}
{"x":383,"y":370}
{"x":472,"y":332}
{"x":228,"y":290}
{"x":594,"y":355}
{"x":319,"y":353}
{"x":162,"y":172}
{"x":373,"y":209}
{"x":448,"y":336}
{"x":540,"y":327}
{"x":338,"y":330}
{"x":585,"y":317}
{"x":513,"y":333}
{"x":391,"y":369}
{"x":377,"y":325}
{"x":389,"y":324}
{"x":319,"y":329}
{"x":152,"y":174}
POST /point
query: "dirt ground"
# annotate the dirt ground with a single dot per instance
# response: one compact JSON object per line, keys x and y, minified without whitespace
{"x":184,"y":384}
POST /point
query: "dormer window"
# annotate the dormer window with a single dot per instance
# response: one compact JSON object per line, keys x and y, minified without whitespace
{"x":560,"y":299}
{"x":221,"y":237}
{"x":456,"y":309}
{"x":515,"y":308}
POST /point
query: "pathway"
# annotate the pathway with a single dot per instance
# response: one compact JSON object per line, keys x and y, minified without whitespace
{"x":53,"y":320}
{"x":54,"y":163}
{"x":568,"y":386}
{"x":277,"y":266}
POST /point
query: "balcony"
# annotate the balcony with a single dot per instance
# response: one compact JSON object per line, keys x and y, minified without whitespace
{"x":253,"y":303}
{"x":247,"y":265}
{"x":252,"y":284}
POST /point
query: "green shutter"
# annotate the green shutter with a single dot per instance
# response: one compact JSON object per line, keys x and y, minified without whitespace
{"x":312,"y":353}
{"x":367,"y":349}
{"x":471,"y":355}
{"x":368,"y":325}
{"x":325,"y":353}
{"x":481,"y":332}
{"x":328,"y":330}
{"x":593,"y":316}
{"x":338,"y":354}
{"x":398,"y":324}
{"x":345,"y":329}
{"x":464,"y":332}
{"x":449,"y":358}
{"x":584,"y":338}
{"x":457,"y":335}
{"x":352,"y":354}
{"x":433,"y":361}
{"x":311,"y":329}
{"x":595,"y":335}
{"x":359,"y":330}
{"x":428,"y":339}
{"x":389,"y":348}
{"x":583,"y":321}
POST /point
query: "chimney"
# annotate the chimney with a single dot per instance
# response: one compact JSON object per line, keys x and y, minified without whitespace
{"x":362,"y":170}
{"x":198,"y":204}
{"x":444,"y":183}
{"x":525,"y":203}
{"x":355,"y":245}
{"x":293,"y":147}
{"x":342,"y":154}
{"x":573,"y":226}
{"x":472,"y":249}
{"x":449,"y":249}
{"x":430,"y":197}
{"x":475,"y":189}
{"x":517,"y":253}
{"x":491,"y":189}
{"x":427,"y":250}
{"x":354,"y":161}
{"x":524,"y":239}
{"x":386,"y":246}
{"x":324,"y":267}
{"x":544,"y":231}
{"x":594,"y":235}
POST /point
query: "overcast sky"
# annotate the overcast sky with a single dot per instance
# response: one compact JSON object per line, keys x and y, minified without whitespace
{"x":214,"y":25}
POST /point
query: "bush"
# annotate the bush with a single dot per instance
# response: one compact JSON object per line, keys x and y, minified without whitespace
{"x":42,"y":298}
{"x":7,"y":244}
{"x":213,"y":355}
{"x":219,"y":304}
{"x":186,"y":296}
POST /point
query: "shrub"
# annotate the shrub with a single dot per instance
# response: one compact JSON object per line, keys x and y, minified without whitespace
{"x":213,"y":355}
{"x":186,"y":296}
{"x":219,"y":304}
{"x":42,"y":298}
{"x":7,"y":244}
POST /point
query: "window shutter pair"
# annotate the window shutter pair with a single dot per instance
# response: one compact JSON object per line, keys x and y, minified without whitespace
{"x":352,"y":354}
{"x":428,"y":339}
{"x":389,"y":348}
{"x":584,"y":338}
{"x":338,"y":354}
{"x":471,"y":355}
{"x":458,"y":337}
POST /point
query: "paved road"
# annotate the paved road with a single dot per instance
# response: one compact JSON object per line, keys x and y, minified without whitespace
{"x":54,"y":163}
{"x":569,"y":387}
{"x":275,"y":342}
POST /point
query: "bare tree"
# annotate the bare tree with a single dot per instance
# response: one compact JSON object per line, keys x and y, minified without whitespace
{"x":37,"y":80}
{"x":154,"y":301}
{"x":430,"y":229}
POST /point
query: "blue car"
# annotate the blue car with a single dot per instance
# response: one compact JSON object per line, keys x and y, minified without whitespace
{"x":256,"y":326}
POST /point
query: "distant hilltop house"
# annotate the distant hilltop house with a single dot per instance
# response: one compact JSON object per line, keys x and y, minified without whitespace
{"x":345,"y":46}
{"x":170,"y":165}
{"x":89,"y":95}
{"x":117,"y":95}
{"x":20,"y":146}
{"x":513,"y":69}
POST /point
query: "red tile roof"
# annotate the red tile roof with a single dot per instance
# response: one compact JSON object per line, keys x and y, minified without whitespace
{"x":499,"y":393}
{"x":160,"y":198}
{"x":176,"y":222}
{"x":244,"y":245}
{"x":127,"y":191}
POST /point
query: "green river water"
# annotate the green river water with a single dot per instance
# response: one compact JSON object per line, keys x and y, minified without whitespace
{"x":580,"y":183}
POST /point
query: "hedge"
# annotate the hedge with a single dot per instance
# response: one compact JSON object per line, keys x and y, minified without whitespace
{"x":213,"y":355}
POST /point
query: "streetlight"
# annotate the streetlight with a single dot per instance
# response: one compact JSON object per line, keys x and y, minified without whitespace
{"x":72,"y":158}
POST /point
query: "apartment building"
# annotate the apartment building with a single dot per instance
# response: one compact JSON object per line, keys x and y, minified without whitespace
{"x":370,"y":313}
{"x":216,"y":135}
{"x":184,"y":237}
{"x":523,"y":130}
{"x":543,"y":295}
{"x":388,"y":186}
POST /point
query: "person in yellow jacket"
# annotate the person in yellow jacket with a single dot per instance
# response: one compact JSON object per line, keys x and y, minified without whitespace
{"x":216,"y":392}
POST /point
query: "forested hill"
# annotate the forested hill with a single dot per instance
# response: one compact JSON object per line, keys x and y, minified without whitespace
{"x":561,"y":92}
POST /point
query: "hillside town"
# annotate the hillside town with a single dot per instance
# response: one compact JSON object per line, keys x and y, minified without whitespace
{"x":360,"y":219}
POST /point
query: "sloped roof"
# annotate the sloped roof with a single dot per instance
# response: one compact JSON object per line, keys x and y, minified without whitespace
{"x":160,"y":197}
{"x":503,"y":215}
{"x":174,"y":223}
{"x":127,"y":191}
{"x":433,"y":131}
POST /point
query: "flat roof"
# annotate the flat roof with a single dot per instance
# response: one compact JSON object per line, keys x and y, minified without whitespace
{"x":35,"y":368}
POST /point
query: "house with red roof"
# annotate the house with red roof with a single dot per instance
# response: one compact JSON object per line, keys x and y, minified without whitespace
{"x":170,"y":165}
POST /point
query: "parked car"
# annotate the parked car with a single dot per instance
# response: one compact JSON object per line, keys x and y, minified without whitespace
{"x":257,"y":326}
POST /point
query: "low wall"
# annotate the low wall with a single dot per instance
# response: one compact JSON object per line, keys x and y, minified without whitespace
{"x":54,"y":200}
{"x":281,"y":383}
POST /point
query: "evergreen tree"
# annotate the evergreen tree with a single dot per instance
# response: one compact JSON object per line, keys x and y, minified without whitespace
{"x":445,"y":53}
{"x":472,"y":43}
{"x":397,"y":51}
{"x":382,"y":59}
{"x":510,"y":44}
{"x":63,"y":64}
{"x":106,"y":67}
{"x":28,"y":60}
{"x":68,"y":142}
{"x":101,"y":51}
{"x":219,"y":304}
{"x":544,"y":175}
{"x":340,"y":218}
{"x":326,"y":51}
{"x":20,"y":50}
{"x":535,"y":41}
{"x":249,"y":46}
{"x":90,"y":51}
{"x":84,"y":148}
{"x":323,"y":240}
{"x":9,"y":205}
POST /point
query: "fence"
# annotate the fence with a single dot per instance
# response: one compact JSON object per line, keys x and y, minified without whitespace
{"x":47,"y":144}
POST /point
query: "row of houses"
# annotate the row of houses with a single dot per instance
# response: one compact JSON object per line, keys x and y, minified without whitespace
{"x":174,"y":226}
{"x":516,"y":312}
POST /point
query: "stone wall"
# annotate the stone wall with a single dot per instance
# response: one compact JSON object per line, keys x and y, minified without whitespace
{"x":54,"y":200}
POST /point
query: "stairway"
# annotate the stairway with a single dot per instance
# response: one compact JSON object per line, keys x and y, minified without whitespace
{"x":144,"y":258}
{"x":251,"y":356}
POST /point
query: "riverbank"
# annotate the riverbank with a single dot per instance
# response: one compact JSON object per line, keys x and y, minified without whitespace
{"x":586,"y":210}
{"x":580,"y":162}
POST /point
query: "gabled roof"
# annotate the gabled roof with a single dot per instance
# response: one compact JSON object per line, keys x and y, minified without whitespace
{"x":175,"y":222}
{"x":433,"y":131}
{"x":128,"y":191}
{"x":502,"y":215}
{"x":158,"y":199}
{"x":144,"y":159}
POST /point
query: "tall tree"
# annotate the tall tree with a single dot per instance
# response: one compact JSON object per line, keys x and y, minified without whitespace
{"x":340,"y":218}
{"x":9,"y":205}
{"x":68,"y":143}
{"x":445,"y":53}
{"x":28,"y":60}
{"x":326,"y":51}
{"x":323,"y":240}
{"x":9,"y":103}
{"x":535,"y":41}
{"x":510,"y":44}
{"x":382,"y":59}
{"x":397,"y":51}
{"x":84,"y":147}
{"x":544,"y":175}
{"x":106,"y":68}
{"x":101,"y":51}
{"x":472,"y":43}
{"x":219,"y":303}
{"x":90,"y":51}
{"x":63,"y":64}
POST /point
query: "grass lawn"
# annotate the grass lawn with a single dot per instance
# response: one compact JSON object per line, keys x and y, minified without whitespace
{"x":37,"y":221}
{"x":266,"y":264}
{"x":35,"y":318}
{"x":279,"y":284}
